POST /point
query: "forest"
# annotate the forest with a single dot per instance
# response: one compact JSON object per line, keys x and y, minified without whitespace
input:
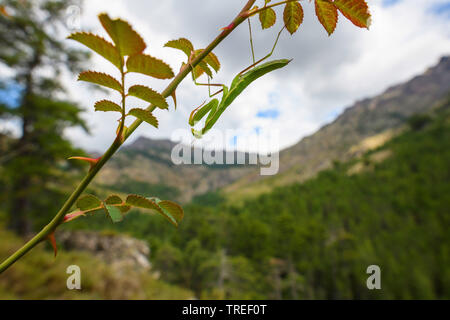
{"x":315,"y":239}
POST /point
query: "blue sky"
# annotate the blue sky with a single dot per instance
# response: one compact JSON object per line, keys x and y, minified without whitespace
{"x":10,"y":95}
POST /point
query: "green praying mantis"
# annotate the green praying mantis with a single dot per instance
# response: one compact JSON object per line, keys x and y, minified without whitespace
{"x":215,"y":108}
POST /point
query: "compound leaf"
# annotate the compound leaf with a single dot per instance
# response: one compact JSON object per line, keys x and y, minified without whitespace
{"x":293,"y":16}
{"x":149,"y":95}
{"x":102,"y":79}
{"x":106,"y":105}
{"x":145,"y":64}
{"x":99,"y":45}
{"x":327,"y":14}
{"x":127,"y":41}
{"x":144,"y":115}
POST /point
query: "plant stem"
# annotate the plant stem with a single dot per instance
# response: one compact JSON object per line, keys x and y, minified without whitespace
{"x":56,"y":221}
{"x":252,"y":13}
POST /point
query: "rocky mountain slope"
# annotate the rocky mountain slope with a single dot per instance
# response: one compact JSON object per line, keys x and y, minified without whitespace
{"x":146,"y":167}
{"x":365,"y":125}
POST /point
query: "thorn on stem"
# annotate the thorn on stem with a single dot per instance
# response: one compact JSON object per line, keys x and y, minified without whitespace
{"x":91,"y":161}
{"x":51,"y":238}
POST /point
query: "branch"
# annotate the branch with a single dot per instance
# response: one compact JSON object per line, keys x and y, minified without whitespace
{"x":59,"y":217}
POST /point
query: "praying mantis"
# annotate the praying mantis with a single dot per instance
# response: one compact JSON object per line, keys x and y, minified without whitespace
{"x":215,"y":108}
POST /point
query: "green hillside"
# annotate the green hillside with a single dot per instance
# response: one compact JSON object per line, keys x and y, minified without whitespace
{"x":315,"y":240}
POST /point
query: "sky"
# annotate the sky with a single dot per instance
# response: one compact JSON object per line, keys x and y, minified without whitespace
{"x":326,"y":75}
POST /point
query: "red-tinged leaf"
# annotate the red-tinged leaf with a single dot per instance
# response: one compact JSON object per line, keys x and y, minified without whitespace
{"x":73,"y":215}
{"x":327,"y":14}
{"x":293,"y":16}
{"x":267,"y":17}
{"x":182,"y":44}
{"x":106,"y":105}
{"x":113,"y":199}
{"x":169,"y":210}
{"x":127,"y":41}
{"x":99,"y":45}
{"x":149,"y":66}
{"x":173,"y":208}
{"x":357,"y":11}
{"x":51,"y":238}
{"x":149,"y":95}
{"x":91,"y":161}
{"x":148,"y":203}
{"x":144,"y":115}
{"x":141,"y":202}
{"x":102,"y":79}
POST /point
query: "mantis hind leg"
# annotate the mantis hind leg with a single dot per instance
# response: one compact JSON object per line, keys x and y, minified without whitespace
{"x":206,"y":84}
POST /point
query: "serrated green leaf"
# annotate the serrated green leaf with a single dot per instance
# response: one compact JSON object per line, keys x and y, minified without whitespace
{"x":99,"y":45}
{"x":200,"y":69}
{"x":100,"y":78}
{"x":141,"y":202}
{"x":164,"y":212}
{"x":127,"y":41}
{"x":293,"y":16}
{"x":267,"y":17}
{"x":144,"y":115}
{"x":327,"y":14}
{"x":149,"y":95}
{"x":173,"y":208}
{"x":106,"y":105}
{"x":117,"y":202}
{"x":150,"y":203}
{"x":182,"y":44}
{"x":88,"y":202}
{"x":149,"y":66}
{"x":114,"y":213}
{"x":211,"y":60}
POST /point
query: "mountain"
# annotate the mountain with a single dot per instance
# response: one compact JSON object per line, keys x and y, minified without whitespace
{"x":146,"y":167}
{"x":366,"y":125}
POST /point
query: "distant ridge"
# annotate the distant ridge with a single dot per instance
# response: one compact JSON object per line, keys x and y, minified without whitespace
{"x":365,"y":124}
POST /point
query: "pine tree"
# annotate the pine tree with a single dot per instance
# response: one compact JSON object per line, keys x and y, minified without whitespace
{"x":32,"y":49}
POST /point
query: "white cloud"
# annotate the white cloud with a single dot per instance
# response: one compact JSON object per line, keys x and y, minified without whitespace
{"x":326,"y":75}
